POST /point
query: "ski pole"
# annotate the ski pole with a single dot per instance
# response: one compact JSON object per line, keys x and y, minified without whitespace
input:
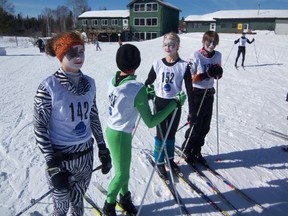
{"x":154,"y":168}
{"x":217,"y":127}
{"x":35,"y":201}
{"x":256,"y":53}
{"x":198,"y":111}
{"x":187,"y":123}
{"x":229,"y":55}
{"x":137,"y":123}
{"x":168,"y":161}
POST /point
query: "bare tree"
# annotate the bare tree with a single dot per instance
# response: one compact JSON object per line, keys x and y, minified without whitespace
{"x":47,"y":14}
{"x":62,"y":12}
{"x":7,"y":6}
{"x":78,"y":7}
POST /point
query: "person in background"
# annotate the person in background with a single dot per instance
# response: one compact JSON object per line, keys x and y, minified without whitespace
{"x":97,"y":45}
{"x":65,"y":118}
{"x":242,"y":48}
{"x":128,"y":98}
{"x":41,"y":45}
{"x":205,"y":67}
{"x":120,"y":42}
{"x":169,"y":73}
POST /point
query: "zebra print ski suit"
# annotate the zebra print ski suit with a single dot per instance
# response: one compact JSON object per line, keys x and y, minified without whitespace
{"x":80,"y":167}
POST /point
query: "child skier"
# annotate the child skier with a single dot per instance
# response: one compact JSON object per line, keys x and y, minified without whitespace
{"x":242,"y":48}
{"x":205,"y":67}
{"x":168,"y":74}
{"x":65,"y":117}
{"x":127,"y":98}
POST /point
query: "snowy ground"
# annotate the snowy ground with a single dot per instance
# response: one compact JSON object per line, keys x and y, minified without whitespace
{"x":248,"y":99}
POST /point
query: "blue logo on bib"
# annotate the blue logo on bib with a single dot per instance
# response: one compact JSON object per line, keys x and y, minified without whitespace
{"x":167,"y":87}
{"x":80,"y":128}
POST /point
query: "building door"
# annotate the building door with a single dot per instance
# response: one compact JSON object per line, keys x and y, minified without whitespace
{"x":245,"y":27}
{"x":212,"y":26}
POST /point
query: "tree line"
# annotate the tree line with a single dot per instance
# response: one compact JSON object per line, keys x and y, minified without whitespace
{"x":50,"y":21}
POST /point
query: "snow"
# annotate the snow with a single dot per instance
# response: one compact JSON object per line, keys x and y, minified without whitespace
{"x":248,"y":99}
{"x":105,"y":13}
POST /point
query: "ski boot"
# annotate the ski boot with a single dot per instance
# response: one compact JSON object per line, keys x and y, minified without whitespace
{"x":109,"y":209}
{"x":174,"y":166}
{"x":162,"y":171}
{"x":127,"y":205}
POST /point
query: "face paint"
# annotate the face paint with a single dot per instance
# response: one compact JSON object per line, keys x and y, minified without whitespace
{"x":73,"y":53}
{"x":210,"y":45}
{"x":73,"y":59}
{"x":170,"y":46}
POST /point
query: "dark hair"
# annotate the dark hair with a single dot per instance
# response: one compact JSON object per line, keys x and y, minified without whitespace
{"x":211,"y":35}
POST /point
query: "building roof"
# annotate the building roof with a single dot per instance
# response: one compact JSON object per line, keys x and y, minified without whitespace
{"x":105,"y":13}
{"x":239,"y":14}
{"x":161,"y":2}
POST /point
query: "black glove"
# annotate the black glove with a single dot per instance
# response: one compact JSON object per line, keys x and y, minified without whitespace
{"x":59,"y":177}
{"x":192,"y":118}
{"x":104,"y":157}
{"x":216,"y":71}
{"x":253,"y":40}
{"x":150,"y":92}
{"x":235,"y":42}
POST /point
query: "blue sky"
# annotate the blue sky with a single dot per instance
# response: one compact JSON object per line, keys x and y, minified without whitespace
{"x":188,"y":7}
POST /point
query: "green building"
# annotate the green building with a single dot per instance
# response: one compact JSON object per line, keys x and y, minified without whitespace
{"x":237,"y":21}
{"x":152,"y":19}
{"x":145,"y":20}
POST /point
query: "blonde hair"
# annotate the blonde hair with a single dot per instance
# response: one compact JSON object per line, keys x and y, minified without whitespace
{"x":172,"y":36}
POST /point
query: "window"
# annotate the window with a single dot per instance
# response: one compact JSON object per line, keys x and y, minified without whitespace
{"x":94,"y":22}
{"x":139,"y":36}
{"x":104,"y":22}
{"x":151,"y":21}
{"x":114,"y":22}
{"x":139,"y":7}
{"x":151,"y":7}
{"x":139,"y":22}
{"x":84,"y":22}
{"x":151,"y":35}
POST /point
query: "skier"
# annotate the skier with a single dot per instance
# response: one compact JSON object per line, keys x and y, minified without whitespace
{"x":205,"y":67}
{"x":168,"y":74}
{"x":98,"y":46}
{"x":128,"y":98}
{"x":242,"y":48}
{"x":41,"y":45}
{"x":65,"y":117}
{"x":120,"y":42}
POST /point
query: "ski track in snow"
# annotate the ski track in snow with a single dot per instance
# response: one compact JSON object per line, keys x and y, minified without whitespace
{"x":251,"y":159}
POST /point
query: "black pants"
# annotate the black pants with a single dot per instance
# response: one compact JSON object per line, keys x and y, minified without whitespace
{"x":243,"y":51}
{"x":80,"y":168}
{"x":202,"y":126}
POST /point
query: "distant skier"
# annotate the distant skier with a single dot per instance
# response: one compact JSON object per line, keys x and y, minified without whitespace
{"x":41,"y":45}
{"x":120,"y":42}
{"x":242,"y":47}
{"x":98,"y":46}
